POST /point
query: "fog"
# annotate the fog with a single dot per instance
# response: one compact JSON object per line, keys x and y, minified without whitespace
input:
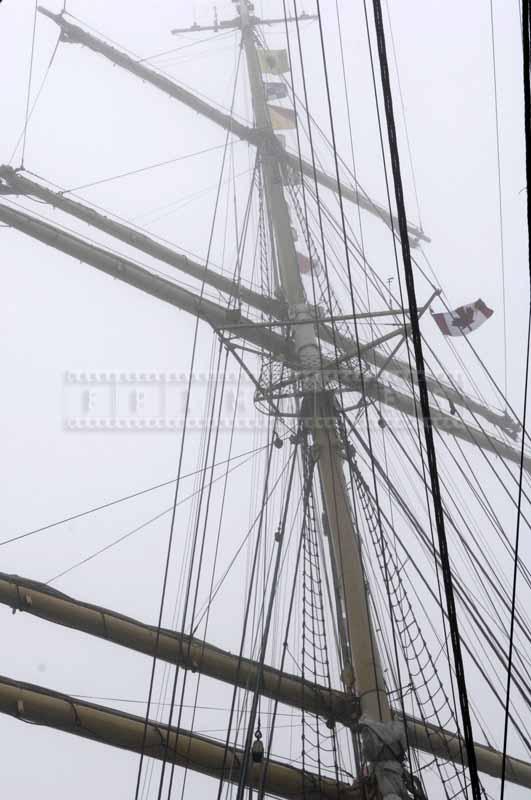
{"x":63,"y":322}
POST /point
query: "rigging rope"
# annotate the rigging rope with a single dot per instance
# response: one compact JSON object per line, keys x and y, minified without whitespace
{"x":314,"y":633}
{"x":413,"y":644}
{"x":36,"y":100}
{"x":30,"y":76}
{"x":306,"y":489}
{"x":475,"y":563}
{"x":470,"y":345}
{"x":147,"y":168}
{"x":143,"y":525}
{"x":526,"y":31}
{"x":185,"y":46}
{"x":242,"y":240}
{"x":180,"y":460}
{"x":181,"y":454}
{"x":479,"y":622}
{"x":500,"y":201}
{"x":251,"y":585}
{"x":357,"y":352}
{"x":267,"y":626}
{"x":198,"y":569}
{"x":404,"y":117}
{"x":425,"y":406}
{"x":141,"y":492}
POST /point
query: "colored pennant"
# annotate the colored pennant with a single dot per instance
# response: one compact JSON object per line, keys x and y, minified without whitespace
{"x":307,"y":265}
{"x":275,"y":90}
{"x":275,"y":62}
{"x":281,"y":118}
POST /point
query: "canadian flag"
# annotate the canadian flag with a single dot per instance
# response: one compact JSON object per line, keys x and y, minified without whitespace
{"x":464,"y":319}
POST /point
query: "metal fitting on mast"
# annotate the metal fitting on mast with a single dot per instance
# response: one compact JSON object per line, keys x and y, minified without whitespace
{"x":384,"y":747}
{"x":306,"y":347}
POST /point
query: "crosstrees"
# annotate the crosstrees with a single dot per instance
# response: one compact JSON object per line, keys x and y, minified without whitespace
{"x":215,"y":315}
{"x":16,"y":183}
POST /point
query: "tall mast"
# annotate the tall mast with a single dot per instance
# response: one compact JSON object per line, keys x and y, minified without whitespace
{"x":364,"y":675}
{"x":287,"y":257}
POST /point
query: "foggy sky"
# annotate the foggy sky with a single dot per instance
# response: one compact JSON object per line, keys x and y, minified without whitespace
{"x":93,"y":121}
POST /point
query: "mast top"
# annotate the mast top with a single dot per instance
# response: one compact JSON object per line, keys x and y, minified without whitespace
{"x":236,"y":22}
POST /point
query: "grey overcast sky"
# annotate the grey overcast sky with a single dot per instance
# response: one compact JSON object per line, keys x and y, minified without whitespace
{"x":60,"y":318}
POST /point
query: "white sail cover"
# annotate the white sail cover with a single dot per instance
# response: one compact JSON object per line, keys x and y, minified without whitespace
{"x":464,"y":319}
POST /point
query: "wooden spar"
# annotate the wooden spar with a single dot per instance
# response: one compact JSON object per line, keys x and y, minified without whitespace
{"x":400,"y":368}
{"x":19,"y":184}
{"x":356,"y":196}
{"x":451,"y":747}
{"x":131,"y":273}
{"x":215,"y":315}
{"x":176,"y":648}
{"x":40,"y":600}
{"x":442,"y":422}
{"x":75,"y":34}
{"x":40,"y":706}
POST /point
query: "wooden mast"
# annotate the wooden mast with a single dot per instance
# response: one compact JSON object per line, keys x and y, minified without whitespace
{"x":366,"y":667}
{"x":364,"y":676}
